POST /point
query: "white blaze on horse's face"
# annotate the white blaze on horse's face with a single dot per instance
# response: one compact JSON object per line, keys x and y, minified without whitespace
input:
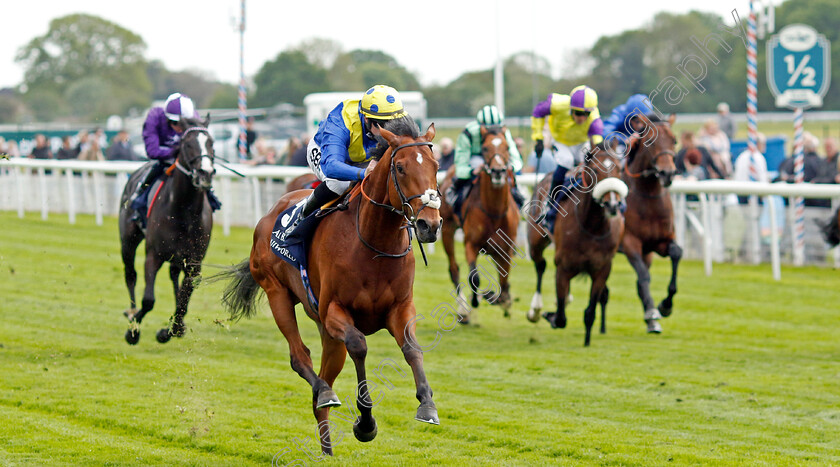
{"x":206,"y":162}
{"x":419,"y":158}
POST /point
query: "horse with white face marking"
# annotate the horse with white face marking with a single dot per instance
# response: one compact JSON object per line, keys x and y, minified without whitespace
{"x":179,"y":223}
{"x":587,"y":233}
{"x":489,"y":219}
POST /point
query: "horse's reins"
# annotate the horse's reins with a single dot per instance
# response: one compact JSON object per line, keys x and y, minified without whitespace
{"x":405,"y":206}
{"x":190,"y":172}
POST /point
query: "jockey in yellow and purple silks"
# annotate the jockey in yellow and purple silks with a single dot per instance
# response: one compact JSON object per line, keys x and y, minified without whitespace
{"x":573,"y":121}
{"x":342,"y":148}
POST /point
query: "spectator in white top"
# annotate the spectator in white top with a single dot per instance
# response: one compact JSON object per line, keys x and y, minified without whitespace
{"x":742,"y":163}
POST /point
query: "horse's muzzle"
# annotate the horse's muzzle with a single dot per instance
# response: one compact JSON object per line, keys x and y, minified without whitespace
{"x":427,"y":232}
{"x":202,"y":180}
{"x":666,"y":177}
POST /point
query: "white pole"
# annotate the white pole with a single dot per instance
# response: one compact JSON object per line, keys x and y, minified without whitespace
{"x":45,"y":204}
{"x":707,"y":233}
{"x":98,"y":202}
{"x":499,"y":75}
{"x":226,"y":187}
{"x":774,"y":239}
{"x":71,"y":198}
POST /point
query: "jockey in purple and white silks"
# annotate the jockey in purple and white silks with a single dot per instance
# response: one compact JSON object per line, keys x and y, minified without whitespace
{"x":162,"y":134}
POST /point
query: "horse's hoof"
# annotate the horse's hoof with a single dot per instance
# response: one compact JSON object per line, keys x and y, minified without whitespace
{"x":427,"y":415}
{"x":653,"y":326}
{"x":178,"y":330}
{"x":361,"y":435}
{"x":533,"y":315}
{"x":652,"y":314}
{"x":132,"y":336}
{"x":665,"y":310}
{"x":163,"y":335}
{"x":327,"y":398}
{"x":552,"y":319}
{"x":506,"y":313}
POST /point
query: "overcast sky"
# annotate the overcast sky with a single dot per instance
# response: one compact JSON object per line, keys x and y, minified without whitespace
{"x":436,"y":39}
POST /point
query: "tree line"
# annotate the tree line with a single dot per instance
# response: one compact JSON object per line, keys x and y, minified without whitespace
{"x":86,"y":68}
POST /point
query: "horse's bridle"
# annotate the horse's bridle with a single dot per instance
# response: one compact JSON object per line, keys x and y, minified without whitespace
{"x":651,"y":170}
{"x":430,"y":198}
{"x":486,"y":166}
{"x":191,"y":171}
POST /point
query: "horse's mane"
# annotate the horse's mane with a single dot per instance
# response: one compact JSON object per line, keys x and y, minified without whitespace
{"x":402,"y":126}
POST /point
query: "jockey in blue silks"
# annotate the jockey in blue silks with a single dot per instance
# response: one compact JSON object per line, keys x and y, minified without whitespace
{"x":624,"y":118}
{"x":343,"y":147}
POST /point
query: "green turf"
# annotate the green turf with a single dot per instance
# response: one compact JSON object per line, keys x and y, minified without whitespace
{"x":746,"y":372}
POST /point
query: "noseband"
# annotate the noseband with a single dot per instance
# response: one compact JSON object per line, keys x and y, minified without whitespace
{"x":651,"y":170}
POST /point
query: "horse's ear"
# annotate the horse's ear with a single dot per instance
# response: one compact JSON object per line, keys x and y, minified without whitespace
{"x":392,"y":139}
{"x":672,"y":118}
{"x":483,"y":131}
{"x":430,"y":133}
{"x":206,"y":120}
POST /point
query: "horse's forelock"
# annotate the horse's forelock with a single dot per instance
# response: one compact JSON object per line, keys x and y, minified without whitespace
{"x":402,"y":126}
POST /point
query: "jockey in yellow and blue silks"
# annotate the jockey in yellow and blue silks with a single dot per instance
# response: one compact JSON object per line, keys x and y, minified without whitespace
{"x":468,"y":158}
{"x":342,"y":148}
{"x":573,"y":121}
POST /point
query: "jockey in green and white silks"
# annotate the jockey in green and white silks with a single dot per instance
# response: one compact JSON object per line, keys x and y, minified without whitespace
{"x":468,"y":158}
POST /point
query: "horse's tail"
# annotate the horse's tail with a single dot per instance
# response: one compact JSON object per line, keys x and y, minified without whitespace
{"x":240,"y":295}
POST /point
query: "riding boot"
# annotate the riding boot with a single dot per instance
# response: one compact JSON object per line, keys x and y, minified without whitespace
{"x":215,"y":203}
{"x":461,"y":188}
{"x":518,"y":197}
{"x":558,"y":179}
{"x":320,"y":196}
{"x":137,"y":201}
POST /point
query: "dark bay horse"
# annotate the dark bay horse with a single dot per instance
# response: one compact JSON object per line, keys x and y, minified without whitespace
{"x":361,"y":268}
{"x":649,"y":219}
{"x":587,"y":233}
{"x":489,"y":221}
{"x":178,"y":229}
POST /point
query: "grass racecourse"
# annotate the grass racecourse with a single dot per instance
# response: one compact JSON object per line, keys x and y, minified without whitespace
{"x":747,"y":371}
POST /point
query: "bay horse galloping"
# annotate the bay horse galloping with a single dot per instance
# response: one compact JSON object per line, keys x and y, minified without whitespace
{"x":361,"y":269}
{"x":178,"y":229}
{"x":649,"y":219}
{"x":489,"y":219}
{"x":587,"y":233}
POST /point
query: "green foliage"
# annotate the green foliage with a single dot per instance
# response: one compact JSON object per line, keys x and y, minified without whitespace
{"x":361,"y":69}
{"x":11,"y":107}
{"x":78,"y":53}
{"x":745,"y":373}
{"x":224,"y":97}
{"x":288,"y":78}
